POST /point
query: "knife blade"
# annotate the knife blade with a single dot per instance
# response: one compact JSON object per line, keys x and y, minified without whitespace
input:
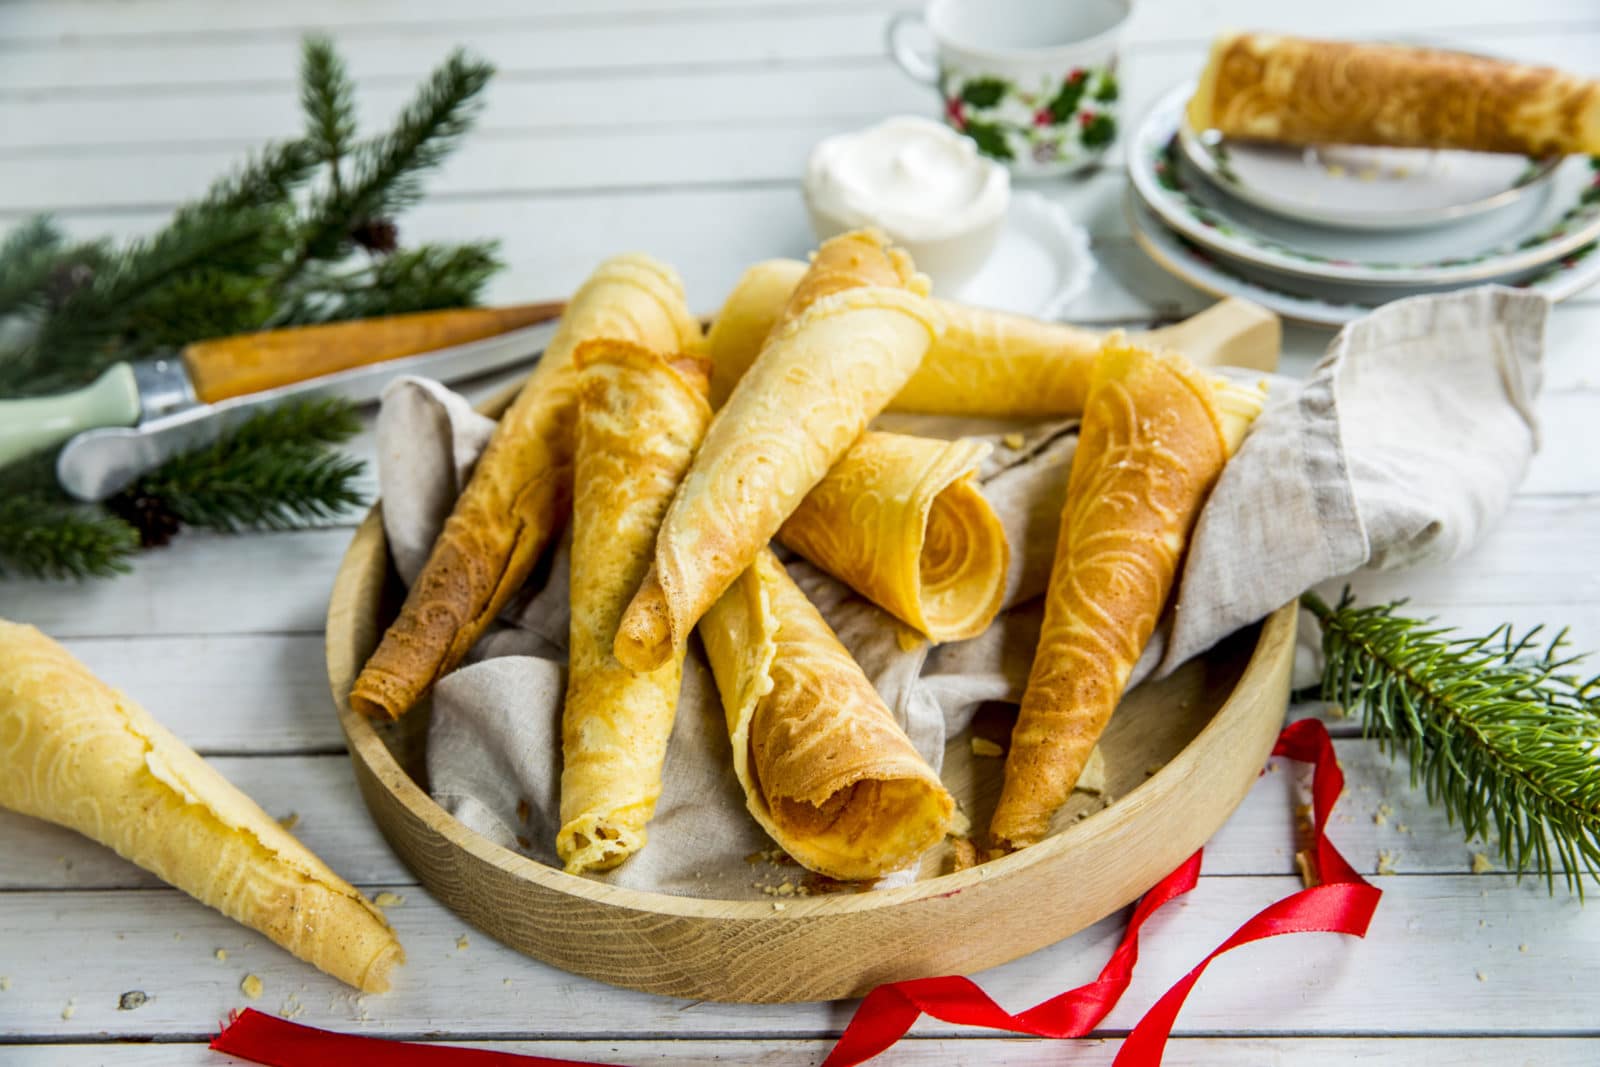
{"x":98,"y":463}
{"x":207,"y":372}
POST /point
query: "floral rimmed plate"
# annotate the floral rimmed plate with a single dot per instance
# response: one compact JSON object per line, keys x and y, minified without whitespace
{"x":1361,"y":187}
{"x":1333,"y":306}
{"x":1559,"y":217}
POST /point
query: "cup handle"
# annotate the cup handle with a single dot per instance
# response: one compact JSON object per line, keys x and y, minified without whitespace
{"x":919,"y":64}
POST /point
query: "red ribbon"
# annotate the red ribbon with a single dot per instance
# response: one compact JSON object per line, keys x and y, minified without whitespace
{"x":250,"y":1035}
{"x":1342,"y":902}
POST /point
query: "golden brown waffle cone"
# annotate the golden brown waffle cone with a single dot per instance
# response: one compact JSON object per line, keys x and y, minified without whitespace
{"x":1266,"y":87}
{"x":640,"y":418}
{"x":987,"y":363}
{"x":823,"y":375}
{"x":76,"y":752}
{"x":520,"y":489}
{"x":901,"y":520}
{"x":825,"y":768}
{"x":1152,"y":444}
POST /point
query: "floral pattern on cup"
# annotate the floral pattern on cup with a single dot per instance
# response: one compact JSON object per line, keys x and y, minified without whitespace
{"x":1053,"y":122}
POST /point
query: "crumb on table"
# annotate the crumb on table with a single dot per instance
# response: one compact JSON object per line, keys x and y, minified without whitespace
{"x":387,"y":899}
{"x":1481,"y":863}
{"x":1386,"y":861}
{"x":251,"y":986}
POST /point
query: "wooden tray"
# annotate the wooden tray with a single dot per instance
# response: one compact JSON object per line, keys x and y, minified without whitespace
{"x":1208,"y":728}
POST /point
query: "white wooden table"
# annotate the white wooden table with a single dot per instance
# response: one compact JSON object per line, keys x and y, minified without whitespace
{"x":680,"y":128}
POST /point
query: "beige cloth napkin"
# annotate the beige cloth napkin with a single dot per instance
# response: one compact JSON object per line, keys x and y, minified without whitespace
{"x":1403,"y":445}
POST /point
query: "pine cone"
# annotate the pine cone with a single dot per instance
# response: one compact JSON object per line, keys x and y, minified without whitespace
{"x":65,"y":280}
{"x":379,"y":236}
{"x":150,"y":515}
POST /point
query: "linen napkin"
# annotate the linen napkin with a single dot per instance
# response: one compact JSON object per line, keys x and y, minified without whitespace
{"x":1402,"y":446}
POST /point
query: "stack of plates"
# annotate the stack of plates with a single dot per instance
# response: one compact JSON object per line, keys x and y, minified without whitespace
{"x":1325,"y":234}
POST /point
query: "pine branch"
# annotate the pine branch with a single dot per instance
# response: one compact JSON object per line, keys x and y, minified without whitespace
{"x":387,"y":172}
{"x":1497,"y":728}
{"x":266,"y":179}
{"x":84,"y":334}
{"x":425,"y":278}
{"x":27,"y":258}
{"x":45,"y":535}
{"x":328,"y":100}
{"x":273,"y":472}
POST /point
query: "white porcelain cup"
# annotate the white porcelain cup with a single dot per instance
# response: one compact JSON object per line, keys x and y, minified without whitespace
{"x":1033,"y":82}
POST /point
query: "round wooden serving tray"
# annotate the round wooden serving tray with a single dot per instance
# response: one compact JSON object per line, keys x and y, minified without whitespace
{"x":1209,"y":727}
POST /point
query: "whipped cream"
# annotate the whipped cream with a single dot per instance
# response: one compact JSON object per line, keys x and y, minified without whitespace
{"x":914,"y":178}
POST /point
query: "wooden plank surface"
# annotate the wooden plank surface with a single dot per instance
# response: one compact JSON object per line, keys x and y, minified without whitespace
{"x":929,"y":1052}
{"x":1432,"y":936}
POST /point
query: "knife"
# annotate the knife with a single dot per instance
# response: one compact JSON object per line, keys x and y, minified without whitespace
{"x":98,"y":463}
{"x":208,"y":372}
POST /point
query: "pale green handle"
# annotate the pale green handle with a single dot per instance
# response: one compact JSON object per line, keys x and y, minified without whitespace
{"x":32,"y":425}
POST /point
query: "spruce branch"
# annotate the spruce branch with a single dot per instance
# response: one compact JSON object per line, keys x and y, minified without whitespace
{"x":387,"y":172}
{"x":328,"y":100}
{"x":85,"y":332}
{"x":1499,"y":729}
{"x":425,"y":278}
{"x":43,"y":534}
{"x":27,"y":258}
{"x":268,"y":178}
{"x":274,"y":472}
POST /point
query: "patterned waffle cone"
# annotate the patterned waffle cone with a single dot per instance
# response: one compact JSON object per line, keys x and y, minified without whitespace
{"x":640,"y":418}
{"x":825,"y":768}
{"x":854,"y":330}
{"x":901,"y":520}
{"x":987,"y":363}
{"x":1152,"y":444}
{"x":520,"y":490}
{"x":76,"y":752}
{"x":1290,"y":90}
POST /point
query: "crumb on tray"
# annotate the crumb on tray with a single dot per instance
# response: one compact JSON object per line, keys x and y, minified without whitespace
{"x":251,"y":986}
{"x":982,"y":746}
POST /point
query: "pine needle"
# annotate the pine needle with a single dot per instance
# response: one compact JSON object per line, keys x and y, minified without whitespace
{"x":1498,"y":729}
{"x":43,"y":534}
{"x":387,"y":172}
{"x":328,"y":100}
{"x":273,"y":472}
{"x":425,"y":278}
{"x":27,"y":258}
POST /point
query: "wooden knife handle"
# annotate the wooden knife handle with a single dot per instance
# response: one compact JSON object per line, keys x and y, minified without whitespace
{"x":252,"y":362}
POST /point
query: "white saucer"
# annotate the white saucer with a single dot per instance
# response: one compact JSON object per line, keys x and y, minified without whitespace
{"x":1554,"y":220}
{"x":1040,"y":264}
{"x":1360,"y":187}
{"x":1332,"y":306}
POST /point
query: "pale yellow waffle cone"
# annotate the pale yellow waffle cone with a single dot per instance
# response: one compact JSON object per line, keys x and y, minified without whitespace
{"x":75,"y":752}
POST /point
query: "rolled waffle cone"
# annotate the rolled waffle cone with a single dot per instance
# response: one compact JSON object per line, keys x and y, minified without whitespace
{"x":1152,"y":444}
{"x":987,"y":363}
{"x":75,"y":752}
{"x":640,"y":418}
{"x":1266,"y":87}
{"x":855,"y":329}
{"x":520,"y":490}
{"x":825,"y":768}
{"x":902,"y":521}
